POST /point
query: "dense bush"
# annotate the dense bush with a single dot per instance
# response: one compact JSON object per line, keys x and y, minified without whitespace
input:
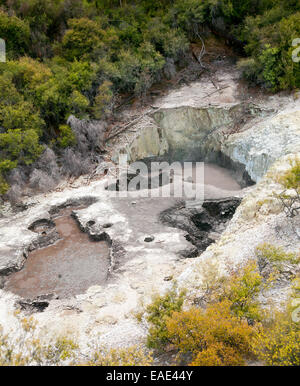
{"x":242,"y":289}
{"x":77,"y":56}
{"x":213,"y":337}
{"x":157,"y":312}
{"x":221,"y":333}
{"x":19,"y":147}
{"x":66,"y":136}
{"x":83,"y":39}
{"x":278,"y":344}
{"x":232,"y":327}
{"x":268,"y":41}
{"x":16,"y":33}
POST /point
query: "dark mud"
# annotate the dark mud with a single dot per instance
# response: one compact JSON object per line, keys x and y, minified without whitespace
{"x":203,"y":225}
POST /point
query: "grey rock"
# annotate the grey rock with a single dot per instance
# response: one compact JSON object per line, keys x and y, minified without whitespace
{"x":149,"y":239}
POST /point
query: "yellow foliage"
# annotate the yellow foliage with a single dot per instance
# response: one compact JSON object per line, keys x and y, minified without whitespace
{"x":28,"y":324}
{"x":291,"y":178}
{"x":278,"y":344}
{"x":29,"y":350}
{"x":211,"y":332}
{"x":241,"y":289}
{"x":157,"y":313}
{"x":132,"y":356}
{"x":218,"y":355}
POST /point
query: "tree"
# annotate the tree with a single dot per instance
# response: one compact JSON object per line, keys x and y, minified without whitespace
{"x":66,"y":136}
{"x":16,"y":34}
{"x":103,"y":103}
{"x":21,"y":116}
{"x":84,"y":37}
{"x":20,"y":147}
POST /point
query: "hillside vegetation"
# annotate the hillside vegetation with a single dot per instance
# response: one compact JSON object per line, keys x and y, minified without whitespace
{"x":229,"y":329}
{"x":78,"y":56}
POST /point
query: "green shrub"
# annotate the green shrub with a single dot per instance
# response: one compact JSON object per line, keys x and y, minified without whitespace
{"x":187,"y":14}
{"x":16,"y":34}
{"x":84,"y":37}
{"x":79,"y":104}
{"x":278,"y":343}
{"x":21,"y":116}
{"x":213,"y":336}
{"x":276,"y":255}
{"x":103,"y":104}
{"x":168,"y":41}
{"x":66,"y":136}
{"x":244,"y":287}
{"x":27,"y":74}
{"x":157,"y":313}
{"x":291,"y":178}
{"x":241,"y":288}
{"x":268,"y":39}
{"x":3,"y":185}
{"x":290,"y":197}
{"x":21,"y":147}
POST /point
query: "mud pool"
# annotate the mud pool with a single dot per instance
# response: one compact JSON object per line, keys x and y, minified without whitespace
{"x":74,"y":261}
{"x":66,"y":268}
{"x":216,"y":176}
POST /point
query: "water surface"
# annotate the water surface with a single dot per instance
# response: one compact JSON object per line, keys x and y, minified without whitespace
{"x":69,"y":267}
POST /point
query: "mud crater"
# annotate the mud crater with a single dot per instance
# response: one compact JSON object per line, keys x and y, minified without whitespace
{"x":62,"y":262}
{"x":68,"y":257}
{"x":223,"y":177}
{"x":203,"y":225}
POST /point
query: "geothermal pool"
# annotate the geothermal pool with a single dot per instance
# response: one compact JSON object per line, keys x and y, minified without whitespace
{"x":66,"y":268}
{"x":75,"y":262}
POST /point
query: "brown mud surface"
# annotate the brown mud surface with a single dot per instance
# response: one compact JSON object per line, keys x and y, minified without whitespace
{"x":67,"y":268}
